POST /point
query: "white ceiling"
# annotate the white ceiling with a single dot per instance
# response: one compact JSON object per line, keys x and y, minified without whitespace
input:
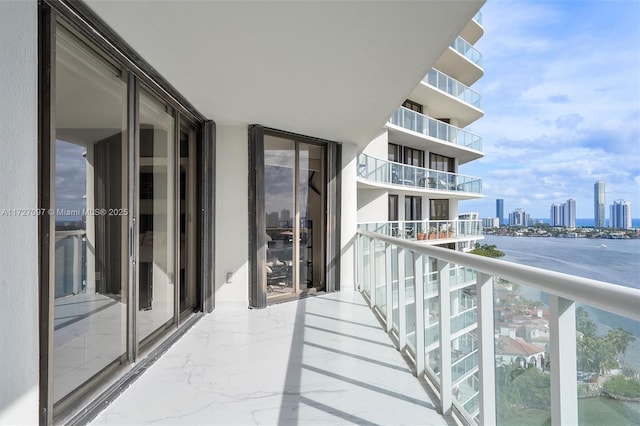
{"x":329,"y":69}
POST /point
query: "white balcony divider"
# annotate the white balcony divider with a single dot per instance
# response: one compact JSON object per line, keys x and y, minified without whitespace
{"x":435,"y":129}
{"x":464,"y":48}
{"x":478,"y":404}
{"x":391,"y":173}
{"x":453,"y":87}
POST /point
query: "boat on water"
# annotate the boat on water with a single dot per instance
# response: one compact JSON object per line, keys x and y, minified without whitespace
{"x":603,"y":246}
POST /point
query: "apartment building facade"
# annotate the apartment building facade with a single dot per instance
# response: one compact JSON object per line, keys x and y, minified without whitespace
{"x":162,"y":159}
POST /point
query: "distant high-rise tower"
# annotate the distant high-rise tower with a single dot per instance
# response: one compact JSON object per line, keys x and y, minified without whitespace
{"x":500,"y":210}
{"x":599,"y":205}
{"x":621,"y":214}
{"x":569,"y":219}
{"x":554,"y":216}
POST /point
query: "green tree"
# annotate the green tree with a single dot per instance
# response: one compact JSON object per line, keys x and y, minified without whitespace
{"x":620,"y":339}
{"x":486,"y":250}
{"x":583,"y":324}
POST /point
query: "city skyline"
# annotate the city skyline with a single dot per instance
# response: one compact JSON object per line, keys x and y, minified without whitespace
{"x":561,"y":98}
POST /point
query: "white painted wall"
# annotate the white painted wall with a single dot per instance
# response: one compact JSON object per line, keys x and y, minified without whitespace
{"x":349,"y":218}
{"x":373,"y":205}
{"x":378,"y":147}
{"x":232,"y":217}
{"x":19,"y":248}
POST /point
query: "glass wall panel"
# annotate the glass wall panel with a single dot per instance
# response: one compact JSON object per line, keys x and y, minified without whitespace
{"x":280,"y":208}
{"x":157,"y":225}
{"x":522,"y":354}
{"x":90,"y":259}
{"x":311,"y":191}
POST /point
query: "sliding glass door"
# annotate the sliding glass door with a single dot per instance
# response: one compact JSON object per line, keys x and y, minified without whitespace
{"x":294,"y":191}
{"x":120,"y":259}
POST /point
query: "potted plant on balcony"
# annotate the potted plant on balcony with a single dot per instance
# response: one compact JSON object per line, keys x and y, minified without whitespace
{"x":421,"y":236}
{"x":432,"y":233}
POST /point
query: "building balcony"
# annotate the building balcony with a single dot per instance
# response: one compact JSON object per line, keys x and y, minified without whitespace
{"x":352,"y":356}
{"x":407,"y":127}
{"x":462,"y":61}
{"x":473,"y":30}
{"x":428,"y":231}
{"x":462,"y":359}
{"x":388,"y":174}
{"x":447,"y":97}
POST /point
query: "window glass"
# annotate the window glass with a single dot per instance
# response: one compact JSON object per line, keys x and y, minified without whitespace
{"x":91,"y":214}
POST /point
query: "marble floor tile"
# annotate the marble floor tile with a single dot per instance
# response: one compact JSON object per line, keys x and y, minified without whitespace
{"x":324,"y":360}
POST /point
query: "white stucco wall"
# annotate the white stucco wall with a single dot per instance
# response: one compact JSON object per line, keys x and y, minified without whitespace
{"x":349,"y":218}
{"x":232,"y":226}
{"x":373,"y":205}
{"x":18,"y":190}
{"x":379,"y":146}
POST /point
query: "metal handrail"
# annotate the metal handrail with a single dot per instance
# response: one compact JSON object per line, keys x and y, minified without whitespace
{"x":610,"y":297}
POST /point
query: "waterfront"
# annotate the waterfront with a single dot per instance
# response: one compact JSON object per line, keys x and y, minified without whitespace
{"x":618,"y":263}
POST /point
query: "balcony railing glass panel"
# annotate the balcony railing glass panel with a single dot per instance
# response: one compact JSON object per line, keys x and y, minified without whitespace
{"x":380,"y":276}
{"x":365,"y":271}
{"x":608,"y":367}
{"x":463,"y":47}
{"x":426,"y":229}
{"x":478,"y":18}
{"x":391,"y":173}
{"x":453,"y":87}
{"x":529,"y":369}
{"x":522,"y":355}
{"x":395,"y":313}
{"x":436,"y":129}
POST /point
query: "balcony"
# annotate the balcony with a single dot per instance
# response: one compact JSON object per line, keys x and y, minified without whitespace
{"x":428,"y":231}
{"x":382,"y":173}
{"x":412,"y":128}
{"x":461,"y":358}
{"x":473,"y":30}
{"x":447,"y":97}
{"x":462,"y":61}
{"x":453,"y":87}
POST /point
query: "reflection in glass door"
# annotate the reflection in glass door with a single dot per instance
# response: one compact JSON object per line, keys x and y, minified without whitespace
{"x":90,"y":258}
{"x":157,"y":213}
{"x":187,"y":217}
{"x":294,"y":187}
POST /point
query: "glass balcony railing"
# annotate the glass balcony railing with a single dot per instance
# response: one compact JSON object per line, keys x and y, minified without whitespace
{"x":534,"y":374}
{"x":478,"y":18}
{"x":449,"y":85}
{"x":436,"y":129}
{"x":464,"y":48}
{"x":464,"y":365}
{"x":390,"y":173}
{"x":429,"y":230}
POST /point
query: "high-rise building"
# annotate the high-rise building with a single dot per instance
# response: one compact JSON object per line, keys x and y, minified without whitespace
{"x":519,"y":218}
{"x":563,"y":214}
{"x":555,"y":218}
{"x":599,"y":208}
{"x":569,"y":214}
{"x":500,"y":210}
{"x":620,"y":214}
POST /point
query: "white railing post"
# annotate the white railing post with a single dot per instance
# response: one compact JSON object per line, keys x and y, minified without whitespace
{"x":486,"y":349}
{"x":372,"y":271}
{"x":402,"y":300}
{"x":419,"y":294}
{"x":564,"y":387}
{"x":446,"y":387}
{"x":389,"y":284}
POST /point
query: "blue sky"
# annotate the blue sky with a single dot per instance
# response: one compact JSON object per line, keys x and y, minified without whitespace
{"x":561,"y":96}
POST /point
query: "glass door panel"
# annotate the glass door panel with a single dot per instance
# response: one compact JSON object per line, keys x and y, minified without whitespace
{"x":91,"y":190}
{"x":187,"y":259}
{"x":311,"y":195}
{"x":280,"y":208}
{"x":157,"y":216}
